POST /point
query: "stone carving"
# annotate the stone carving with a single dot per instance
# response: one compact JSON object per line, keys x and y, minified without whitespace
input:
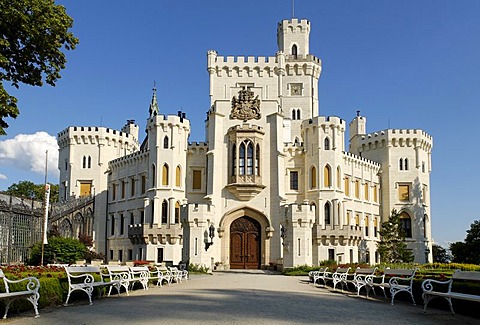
{"x":245,"y":107}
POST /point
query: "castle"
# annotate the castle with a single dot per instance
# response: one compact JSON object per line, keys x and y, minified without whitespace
{"x":273,"y":183}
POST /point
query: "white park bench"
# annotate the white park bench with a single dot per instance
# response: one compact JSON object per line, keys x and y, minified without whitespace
{"x":82,"y":278}
{"x":316,"y":275}
{"x":340,"y":276}
{"x":433,"y":288}
{"x":359,"y":278}
{"x":140,"y":274}
{"x":30,"y":287}
{"x":178,"y":275}
{"x":395,"y":280}
{"x":166,"y":274}
{"x":120,"y":273}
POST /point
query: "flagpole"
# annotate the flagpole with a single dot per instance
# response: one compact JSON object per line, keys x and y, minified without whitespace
{"x":45,"y":212}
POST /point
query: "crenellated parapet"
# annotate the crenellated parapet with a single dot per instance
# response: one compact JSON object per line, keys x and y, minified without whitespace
{"x":133,"y":159}
{"x":197,"y":148}
{"x":94,"y":135}
{"x":325,"y":123}
{"x":167,"y":121}
{"x":396,"y":138}
{"x":300,"y":215}
{"x":350,"y":158}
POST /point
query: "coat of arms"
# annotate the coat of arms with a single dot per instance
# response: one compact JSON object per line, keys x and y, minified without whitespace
{"x":245,"y":107}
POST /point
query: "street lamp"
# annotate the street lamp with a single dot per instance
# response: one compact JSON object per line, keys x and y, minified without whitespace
{"x":211,"y":235}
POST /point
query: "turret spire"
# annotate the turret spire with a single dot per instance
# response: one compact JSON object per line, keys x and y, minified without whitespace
{"x":154,"y":104}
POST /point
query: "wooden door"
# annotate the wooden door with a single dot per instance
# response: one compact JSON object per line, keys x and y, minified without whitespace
{"x":245,"y":244}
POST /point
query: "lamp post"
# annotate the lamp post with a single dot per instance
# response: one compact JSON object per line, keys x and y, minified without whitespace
{"x":211,"y":235}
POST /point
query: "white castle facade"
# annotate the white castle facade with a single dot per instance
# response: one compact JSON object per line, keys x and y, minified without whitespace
{"x":274,"y":182}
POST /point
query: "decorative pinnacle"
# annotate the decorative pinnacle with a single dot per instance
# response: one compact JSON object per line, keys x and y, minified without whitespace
{"x":154,"y":104}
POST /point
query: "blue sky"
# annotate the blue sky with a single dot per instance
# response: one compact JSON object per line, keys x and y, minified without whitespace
{"x":404,"y":64}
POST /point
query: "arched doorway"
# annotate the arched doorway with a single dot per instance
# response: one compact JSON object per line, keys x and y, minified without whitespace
{"x":245,"y":239}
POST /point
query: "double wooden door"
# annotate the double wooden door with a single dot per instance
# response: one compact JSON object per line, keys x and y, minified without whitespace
{"x":245,"y":243}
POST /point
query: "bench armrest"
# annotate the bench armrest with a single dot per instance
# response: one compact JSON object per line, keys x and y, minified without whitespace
{"x":429,"y":284}
{"x":396,"y":280}
{"x":32,"y":283}
{"x":88,"y":277}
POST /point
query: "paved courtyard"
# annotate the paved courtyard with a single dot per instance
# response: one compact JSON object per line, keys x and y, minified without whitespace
{"x":239,"y":298}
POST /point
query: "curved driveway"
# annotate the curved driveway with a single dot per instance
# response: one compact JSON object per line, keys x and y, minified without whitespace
{"x":239,"y":298}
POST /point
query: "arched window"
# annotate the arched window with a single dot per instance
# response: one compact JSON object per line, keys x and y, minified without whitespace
{"x":406,"y":223}
{"x":298,"y":114}
{"x":400,"y":164}
{"x":241,"y":162}
{"x":327,"y":177}
{"x":178,"y":176}
{"x":406,"y":163}
{"x":234,"y":160}
{"x":249,"y":159}
{"x":89,"y":161}
{"x":313,"y":177}
{"x":294,"y":50}
{"x":297,"y":141}
{"x":165,"y":174}
{"x":425,"y":219}
{"x":257,"y":160}
{"x":327,"y":144}
{"x":154,"y":176}
{"x":84,"y":165}
{"x":177,"y":212}
{"x":164,"y":211}
{"x":339,"y":177}
{"x":293,"y":115}
{"x":165,"y":142}
{"x":327,"y":213}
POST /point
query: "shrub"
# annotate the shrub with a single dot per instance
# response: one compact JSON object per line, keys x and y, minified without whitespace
{"x":58,"y":250}
{"x":197,"y":268}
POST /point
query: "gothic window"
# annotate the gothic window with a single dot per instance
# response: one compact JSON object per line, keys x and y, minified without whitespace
{"x":298,"y":114}
{"x":425,"y":218}
{"x":327,"y":144}
{"x":339,"y":177}
{"x":112,"y":225}
{"x":357,"y":189}
{"x":144,"y":184}
{"x":257,"y":161}
{"x":327,"y":213}
{"x":234,"y":159}
{"x":241,"y":162}
{"x":132,"y":187}
{"x":165,"y":174}
{"x":347,"y":186}
{"x":249,"y":159}
{"x":294,"y":180}
{"x":177,"y":212}
{"x":154,"y":176}
{"x":294,"y":50}
{"x":89,"y":162}
{"x":406,"y":163}
{"x":165,"y":142}
{"x":84,"y":165}
{"x":423,"y":167}
{"x":178,"y":175}
{"x":327,"y":179}
{"x":313,"y":177}
{"x":164,"y":212}
{"x":400,"y":164}
{"x":366,"y":187}
{"x":406,"y":223}
{"x":293,"y":115}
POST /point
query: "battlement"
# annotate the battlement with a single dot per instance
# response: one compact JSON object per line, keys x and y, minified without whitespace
{"x":197,"y":148}
{"x":322,"y":121}
{"x":397,"y":137}
{"x":245,"y":127}
{"x":178,"y":120}
{"x":131,"y":158}
{"x":92,"y":135}
{"x":355,"y":158}
{"x":294,"y":25}
{"x":248,"y":60}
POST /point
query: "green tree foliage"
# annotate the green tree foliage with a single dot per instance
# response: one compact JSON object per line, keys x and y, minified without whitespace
{"x":468,"y":251}
{"x":33,"y":34}
{"x":27,"y":188}
{"x":58,"y":250}
{"x":392,"y":247}
{"x":440,"y":254}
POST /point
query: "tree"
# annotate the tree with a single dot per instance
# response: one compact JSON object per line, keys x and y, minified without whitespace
{"x":467,"y":251}
{"x":440,"y":254}
{"x":33,"y":34}
{"x":58,"y":250}
{"x":392,"y":247}
{"x":29,"y":189}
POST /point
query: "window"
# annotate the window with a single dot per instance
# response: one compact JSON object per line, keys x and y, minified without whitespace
{"x":165,"y":142}
{"x":159,"y":255}
{"x":294,"y":50}
{"x":177,"y":212}
{"x":294,"y":180}
{"x":404,"y":192}
{"x":366,"y":187}
{"x":375,"y":194}
{"x":375,"y":227}
{"x":132,"y":218}
{"x":123,"y":189}
{"x":313,"y":177}
{"x":178,"y":175}
{"x":241,"y":155}
{"x":132,"y":187}
{"x":294,"y":116}
{"x":84,"y":165}
{"x":423,"y":167}
{"x":122,"y":224}
{"x":400,"y":164}
{"x":327,"y":213}
{"x":326,"y":144}
{"x":165,"y":174}
{"x":347,"y":186}
{"x":66,"y":164}
{"x":164,"y":212}
{"x":331,"y":254}
{"x":425,"y":218}
{"x":197,"y":180}
{"x":89,"y":162}
{"x":406,"y":223}
{"x":357,"y":189}
{"x":130,"y":254}
{"x":154,"y":176}
{"x":120,"y":255}
{"x":327,"y":180}
{"x":144,"y":184}
{"x":114,"y":191}
{"x":257,"y":161}
{"x":298,"y":114}
{"x":339,"y":177}
{"x":112,"y":225}
{"x":405,"y":163}
{"x":234,"y":159}
{"x":142,"y":217}
{"x":85,"y":188}
{"x":111,"y":254}
{"x":250,"y":159}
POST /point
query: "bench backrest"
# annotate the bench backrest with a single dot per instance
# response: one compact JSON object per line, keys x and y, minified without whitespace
{"x":117,"y":268}
{"x":82,"y":269}
{"x":360,"y":270}
{"x":466,"y":275}
{"x":342,"y":270}
{"x":2,"y":275}
{"x":399,"y":272}
{"x":138,"y":268}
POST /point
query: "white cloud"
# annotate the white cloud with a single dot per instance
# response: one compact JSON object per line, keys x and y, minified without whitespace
{"x":26,"y":152}
{"x":3,"y":176}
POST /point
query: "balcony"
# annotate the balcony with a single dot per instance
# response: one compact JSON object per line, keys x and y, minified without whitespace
{"x":245,"y":187}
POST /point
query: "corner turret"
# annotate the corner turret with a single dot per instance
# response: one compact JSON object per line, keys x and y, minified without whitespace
{"x":293,"y":37}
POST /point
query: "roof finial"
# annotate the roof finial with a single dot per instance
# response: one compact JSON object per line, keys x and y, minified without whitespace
{"x":293,"y":9}
{"x":358,"y":113}
{"x":154,"y":105}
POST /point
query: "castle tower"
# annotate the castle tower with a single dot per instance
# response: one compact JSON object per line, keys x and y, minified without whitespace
{"x":293,"y":37}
